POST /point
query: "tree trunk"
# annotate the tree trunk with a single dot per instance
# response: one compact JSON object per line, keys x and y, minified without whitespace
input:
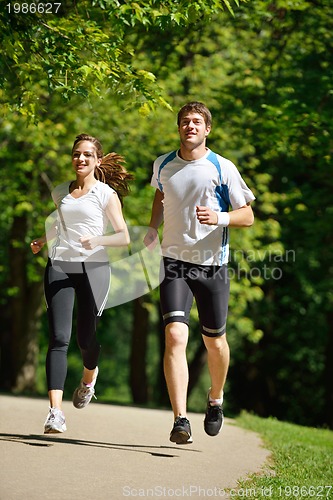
{"x":20,"y":339}
{"x":138,"y":375}
{"x":329,"y":373}
{"x":5,"y":334}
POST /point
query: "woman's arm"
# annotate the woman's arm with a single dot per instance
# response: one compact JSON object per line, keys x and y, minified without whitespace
{"x":51,"y":232}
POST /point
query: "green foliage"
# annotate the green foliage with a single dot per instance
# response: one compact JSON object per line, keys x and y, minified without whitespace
{"x":83,"y":50}
{"x":289,"y":107}
{"x":266,"y":75}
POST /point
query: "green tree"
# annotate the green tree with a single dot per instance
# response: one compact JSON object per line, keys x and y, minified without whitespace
{"x":267,"y":78}
{"x":292,"y":100}
{"x":81,"y":48}
{"x":80,"y":52}
{"x":282,"y":85}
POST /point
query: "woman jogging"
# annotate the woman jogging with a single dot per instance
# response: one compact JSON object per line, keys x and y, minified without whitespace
{"x":78,"y":266}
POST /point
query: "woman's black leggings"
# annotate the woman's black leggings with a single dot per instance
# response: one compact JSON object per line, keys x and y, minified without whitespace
{"x":63,"y":281}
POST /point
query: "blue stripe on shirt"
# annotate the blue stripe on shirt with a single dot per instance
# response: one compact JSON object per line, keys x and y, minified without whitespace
{"x":169,"y":158}
{"x":221,"y":191}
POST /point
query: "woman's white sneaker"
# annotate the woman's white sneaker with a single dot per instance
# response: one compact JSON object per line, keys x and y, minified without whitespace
{"x":55,"y":422}
{"x":83,"y":393}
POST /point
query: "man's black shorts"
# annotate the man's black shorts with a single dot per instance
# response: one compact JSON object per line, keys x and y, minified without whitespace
{"x":208,"y":284}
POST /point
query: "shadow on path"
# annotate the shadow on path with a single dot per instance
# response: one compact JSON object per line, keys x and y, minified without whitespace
{"x":49,"y":440}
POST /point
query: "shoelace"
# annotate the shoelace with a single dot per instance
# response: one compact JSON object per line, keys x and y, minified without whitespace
{"x":181,"y":421}
{"x":53,"y":415}
{"x":85,"y":392}
{"x":214,"y":412}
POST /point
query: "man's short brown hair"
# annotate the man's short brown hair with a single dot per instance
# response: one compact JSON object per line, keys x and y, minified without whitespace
{"x":196,"y":107}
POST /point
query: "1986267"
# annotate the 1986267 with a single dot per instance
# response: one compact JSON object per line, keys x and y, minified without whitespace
{"x":32,"y":8}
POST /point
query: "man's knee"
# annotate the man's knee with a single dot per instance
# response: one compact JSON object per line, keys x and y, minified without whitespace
{"x":216,"y":344}
{"x":176,"y":335}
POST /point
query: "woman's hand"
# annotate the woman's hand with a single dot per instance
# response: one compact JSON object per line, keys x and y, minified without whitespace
{"x":37,"y":244}
{"x":89,"y":242}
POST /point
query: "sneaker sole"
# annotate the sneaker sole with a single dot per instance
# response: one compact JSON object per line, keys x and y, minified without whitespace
{"x":216,"y":433}
{"x":80,"y":406}
{"x":54,"y":431}
{"x":181,"y":437}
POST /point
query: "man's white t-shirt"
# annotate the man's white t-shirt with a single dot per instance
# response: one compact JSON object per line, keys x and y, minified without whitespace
{"x":211,"y":181}
{"x":77,"y":217}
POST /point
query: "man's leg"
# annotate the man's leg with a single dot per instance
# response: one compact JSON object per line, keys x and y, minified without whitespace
{"x":176,"y":376}
{"x":218,"y":363}
{"x":176,"y":301}
{"x":175,"y":366}
{"x":212,"y":293}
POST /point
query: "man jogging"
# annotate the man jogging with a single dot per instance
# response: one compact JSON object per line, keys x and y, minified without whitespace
{"x":194,"y":189}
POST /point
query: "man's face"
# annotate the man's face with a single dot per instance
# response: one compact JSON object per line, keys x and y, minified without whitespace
{"x":193,"y":130}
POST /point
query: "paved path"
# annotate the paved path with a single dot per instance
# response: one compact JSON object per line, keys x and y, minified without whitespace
{"x":115,"y":452}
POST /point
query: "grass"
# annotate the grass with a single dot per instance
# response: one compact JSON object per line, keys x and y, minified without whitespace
{"x":301,"y":465}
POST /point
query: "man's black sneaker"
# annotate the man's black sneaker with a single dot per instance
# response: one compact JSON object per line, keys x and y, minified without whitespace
{"x":213,"y":419}
{"x":181,"y":431}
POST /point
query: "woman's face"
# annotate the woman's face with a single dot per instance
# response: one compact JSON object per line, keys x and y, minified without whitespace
{"x":84,"y":158}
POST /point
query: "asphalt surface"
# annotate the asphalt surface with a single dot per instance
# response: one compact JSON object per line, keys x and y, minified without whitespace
{"x":114,"y":452}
